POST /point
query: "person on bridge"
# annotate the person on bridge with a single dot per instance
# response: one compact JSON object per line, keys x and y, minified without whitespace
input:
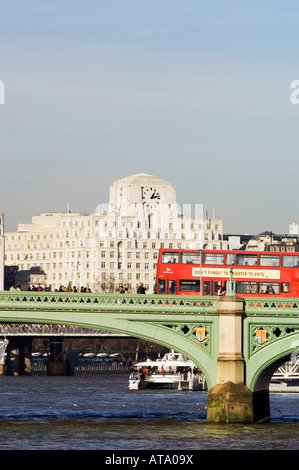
{"x":221,"y":291}
{"x":141,"y":289}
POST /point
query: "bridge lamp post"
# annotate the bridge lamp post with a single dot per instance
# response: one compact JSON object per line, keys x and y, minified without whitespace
{"x":200,"y":271}
{"x":231,"y":285}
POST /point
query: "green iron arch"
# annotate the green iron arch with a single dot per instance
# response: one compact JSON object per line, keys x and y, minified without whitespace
{"x":174,"y":332}
{"x":166,"y":334}
{"x":261,"y":366}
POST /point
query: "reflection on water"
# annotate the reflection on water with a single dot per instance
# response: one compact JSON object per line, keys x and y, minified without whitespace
{"x":96,"y":412}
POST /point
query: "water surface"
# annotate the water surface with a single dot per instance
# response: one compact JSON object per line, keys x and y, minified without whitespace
{"x":101,"y":413}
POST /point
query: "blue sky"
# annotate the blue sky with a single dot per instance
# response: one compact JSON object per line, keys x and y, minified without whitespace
{"x":195,"y":92}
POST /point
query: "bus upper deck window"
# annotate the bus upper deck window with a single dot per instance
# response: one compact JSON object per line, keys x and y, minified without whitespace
{"x":190,"y":258}
{"x":170,"y":257}
{"x":269,"y":260}
{"x":289,"y":261}
{"x":213,"y":258}
{"x":230,"y":259}
{"x":246,"y":260}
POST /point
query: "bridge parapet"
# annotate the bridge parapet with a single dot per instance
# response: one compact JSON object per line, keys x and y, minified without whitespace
{"x":20,"y":300}
{"x":272,"y":306}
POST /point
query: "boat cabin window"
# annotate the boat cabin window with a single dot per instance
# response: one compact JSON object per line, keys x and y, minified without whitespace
{"x":269,"y":260}
{"x":213,"y":258}
{"x":186,"y":285}
{"x":190,"y":258}
{"x":269,"y":288}
{"x":170,"y":257}
{"x":290,"y":261}
{"x":246,"y":260}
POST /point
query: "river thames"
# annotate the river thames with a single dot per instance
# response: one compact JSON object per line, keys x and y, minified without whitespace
{"x":99,"y":412}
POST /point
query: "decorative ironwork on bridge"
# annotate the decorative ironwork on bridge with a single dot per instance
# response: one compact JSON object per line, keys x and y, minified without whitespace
{"x":270,"y":321}
{"x":272,"y":307}
{"x":40,"y":330}
{"x":106,"y":302}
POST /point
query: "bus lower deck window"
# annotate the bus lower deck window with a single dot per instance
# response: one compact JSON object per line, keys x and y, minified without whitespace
{"x":269,"y":288}
{"x":189,"y":285}
{"x":161,"y":286}
{"x":172,"y":287}
{"x":246,"y":287}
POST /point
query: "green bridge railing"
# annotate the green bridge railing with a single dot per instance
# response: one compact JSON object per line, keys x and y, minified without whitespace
{"x":136,"y":303}
{"x":272,"y":306}
{"x":19,"y":300}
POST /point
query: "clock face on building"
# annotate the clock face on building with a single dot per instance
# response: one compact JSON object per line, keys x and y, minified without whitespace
{"x":150,"y":197}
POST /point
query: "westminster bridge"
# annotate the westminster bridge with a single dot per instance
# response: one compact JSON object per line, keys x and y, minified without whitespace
{"x":237,"y":343}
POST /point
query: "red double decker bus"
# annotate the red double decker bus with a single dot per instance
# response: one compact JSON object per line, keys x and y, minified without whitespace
{"x":206,"y":272}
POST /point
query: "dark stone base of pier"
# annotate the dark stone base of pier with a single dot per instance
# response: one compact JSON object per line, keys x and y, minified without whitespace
{"x":230,"y":403}
{"x":19,"y":356}
{"x":57,"y":365}
{"x":261,"y":405}
{"x":60,"y":368}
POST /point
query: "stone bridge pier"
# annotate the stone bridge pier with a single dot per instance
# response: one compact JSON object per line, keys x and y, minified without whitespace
{"x":19,"y":351}
{"x":19,"y":357}
{"x":230,"y":400}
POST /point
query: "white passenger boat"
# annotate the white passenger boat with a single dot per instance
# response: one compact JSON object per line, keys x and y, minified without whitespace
{"x":173,"y":371}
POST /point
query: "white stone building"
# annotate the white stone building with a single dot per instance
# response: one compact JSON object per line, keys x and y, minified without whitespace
{"x":2,"y":251}
{"x":293,"y":228}
{"x":112,"y":247}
